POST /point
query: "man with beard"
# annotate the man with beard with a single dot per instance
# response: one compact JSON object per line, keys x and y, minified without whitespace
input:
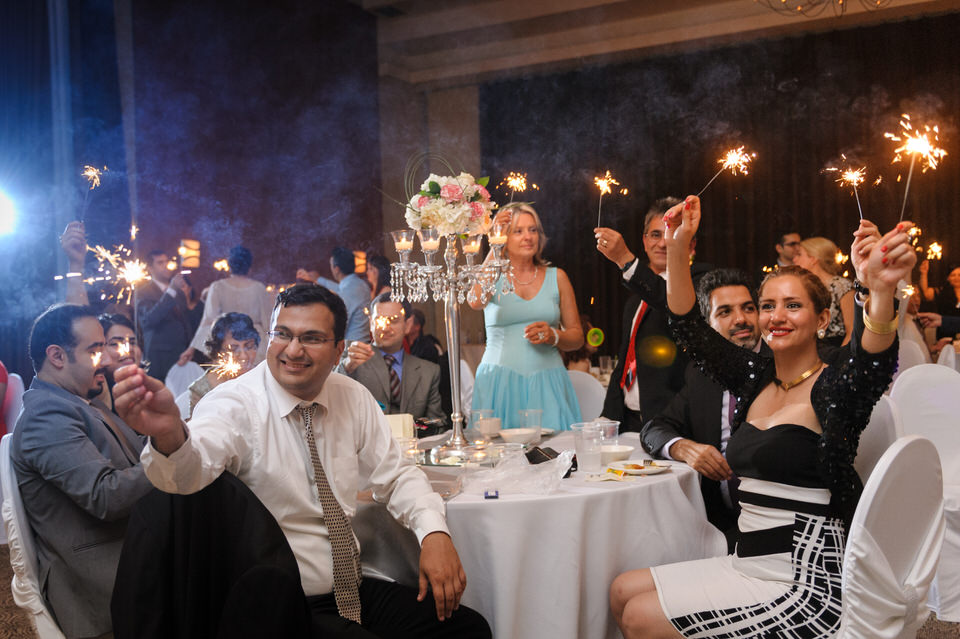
{"x":695,"y":426}
{"x":78,"y":469}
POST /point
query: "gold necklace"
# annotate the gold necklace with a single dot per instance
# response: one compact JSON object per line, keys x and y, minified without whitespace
{"x":536,"y":269}
{"x":804,"y":375}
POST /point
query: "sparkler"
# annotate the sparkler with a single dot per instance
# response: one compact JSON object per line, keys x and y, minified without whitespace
{"x":117,"y":267}
{"x":917,"y":144}
{"x":123,"y":349}
{"x":734,"y":160}
{"x":92,"y":174}
{"x":851,"y":177}
{"x":221,"y":265}
{"x":134,"y":229}
{"x":604,"y":183}
{"x":840,"y":258}
{"x":226,"y":366}
{"x":96,"y":358}
{"x":517,"y":183}
{"x":934,"y":251}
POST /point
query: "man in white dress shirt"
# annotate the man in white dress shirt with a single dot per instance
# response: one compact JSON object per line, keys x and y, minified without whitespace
{"x":254,"y":427}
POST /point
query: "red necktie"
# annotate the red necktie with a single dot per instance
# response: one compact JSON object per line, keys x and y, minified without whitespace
{"x":630,"y":363}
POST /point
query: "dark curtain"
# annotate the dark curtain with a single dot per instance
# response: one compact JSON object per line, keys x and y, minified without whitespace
{"x":660,"y":124}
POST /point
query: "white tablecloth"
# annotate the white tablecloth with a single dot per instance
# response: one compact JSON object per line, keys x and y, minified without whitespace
{"x":541,"y":566}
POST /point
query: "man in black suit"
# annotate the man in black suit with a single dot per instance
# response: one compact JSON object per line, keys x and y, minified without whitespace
{"x":695,"y":426}
{"x":163,"y":315}
{"x":650,"y":373}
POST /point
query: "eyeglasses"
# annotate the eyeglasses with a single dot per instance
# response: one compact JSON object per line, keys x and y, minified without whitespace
{"x":655,"y":236}
{"x":246,"y":348}
{"x":793,"y":243}
{"x":307,"y":339}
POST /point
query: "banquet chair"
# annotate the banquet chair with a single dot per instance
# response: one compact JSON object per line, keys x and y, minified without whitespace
{"x":25,"y":585}
{"x":466,"y":387}
{"x":910,"y":355}
{"x":894,"y":544}
{"x":948,"y":357}
{"x":932,"y":393}
{"x":590,"y":394}
{"x":11,"y":403}
{"x":180,"y":377}
{"x":884,"y":428}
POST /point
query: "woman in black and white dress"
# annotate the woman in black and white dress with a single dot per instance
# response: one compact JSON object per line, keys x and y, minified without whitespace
{"x":795,"y":436}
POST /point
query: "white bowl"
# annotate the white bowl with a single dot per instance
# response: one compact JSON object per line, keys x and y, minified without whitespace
{"x":519,"y":435}
{"x":610,"y":453}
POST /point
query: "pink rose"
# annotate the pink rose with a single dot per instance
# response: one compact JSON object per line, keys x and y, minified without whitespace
{"x":484,"y":193}
{"x":423,"y":201}
{"x":451,"y":193}
{"x":477,"y":212}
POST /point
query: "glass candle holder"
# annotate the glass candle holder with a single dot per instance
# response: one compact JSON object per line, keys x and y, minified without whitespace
{"x":429,"y":241}
{"x":471,"y":247}
{"x":498,"y":233}
{"x":402,"y":240}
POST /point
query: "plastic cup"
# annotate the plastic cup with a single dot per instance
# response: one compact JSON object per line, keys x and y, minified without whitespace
{"x":610,"y":431}
{"x":587,"y":439}
{"x":532,"y":418}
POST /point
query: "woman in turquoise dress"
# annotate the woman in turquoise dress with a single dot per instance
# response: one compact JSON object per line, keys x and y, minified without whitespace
{"x":526,"y":330}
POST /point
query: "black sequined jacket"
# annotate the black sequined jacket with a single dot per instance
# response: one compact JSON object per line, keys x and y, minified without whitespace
{"x":843,"y":396}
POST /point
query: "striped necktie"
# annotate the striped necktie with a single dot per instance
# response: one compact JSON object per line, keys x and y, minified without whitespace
{"x":343,"y":549}
{"x":394,"y":381}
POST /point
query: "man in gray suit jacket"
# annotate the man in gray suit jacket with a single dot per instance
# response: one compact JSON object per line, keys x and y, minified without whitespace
{"x":78,"y":469}
{"x":400,"y":382}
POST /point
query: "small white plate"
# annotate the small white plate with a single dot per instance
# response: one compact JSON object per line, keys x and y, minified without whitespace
{"x":544,"y":432}
{"x":633,"y":468}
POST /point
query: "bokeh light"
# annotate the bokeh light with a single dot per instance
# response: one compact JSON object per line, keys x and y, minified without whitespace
{"x":8,"y":214}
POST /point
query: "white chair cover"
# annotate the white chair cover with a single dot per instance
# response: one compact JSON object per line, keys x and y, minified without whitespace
{"x":910,"y":355}
{"x":929,"y":398}
{"x":590,"y":394}
{"x":466,"y":388}
{"x":23,"y":553}
{"x":12,"y":401}
{"x":948,"y":357}
{"x":183,"y":403}
{"x":180,"y":377}
{"x":884,"y":428}
{"x":894,"y":544}
{"x":910,"y":332}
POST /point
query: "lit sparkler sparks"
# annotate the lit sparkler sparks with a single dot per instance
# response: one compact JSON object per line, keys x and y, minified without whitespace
{"x":851,"y":177}
{"x":226,"y":366}
{"x":840,"y":258}
{"x":604,"y":183}
{"x":117,"y":267}
{"x":134,"y":229}
{"x":934,"y":251}
{"x":733,"y":160}
{"x":93,"y":174}
{"x":221,"y":265}
{"x":96,"y":357}
{"x":123,"y":349}
{"x":916,"y":144}
{"x":908,"y":291}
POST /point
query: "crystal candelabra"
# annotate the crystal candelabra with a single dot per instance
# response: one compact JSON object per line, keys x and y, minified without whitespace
{"x":454,"y":284}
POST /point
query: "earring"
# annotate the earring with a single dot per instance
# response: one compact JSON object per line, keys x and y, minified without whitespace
{"x":821,"y":333}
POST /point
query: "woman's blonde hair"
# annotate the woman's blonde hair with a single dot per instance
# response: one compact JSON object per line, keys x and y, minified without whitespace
{"x":514,"y":216}
{"x":824,"y":251}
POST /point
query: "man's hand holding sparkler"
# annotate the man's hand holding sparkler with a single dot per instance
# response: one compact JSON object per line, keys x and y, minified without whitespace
{"x":149,"y":408}
{"x":74,"y":245}
{"x":357,"y":354}
{"x":610,"y":243}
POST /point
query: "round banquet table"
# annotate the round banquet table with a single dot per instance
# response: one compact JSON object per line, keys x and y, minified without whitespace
{"x":541,"y":565}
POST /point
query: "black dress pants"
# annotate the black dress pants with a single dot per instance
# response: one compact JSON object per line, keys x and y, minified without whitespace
{"x":391,"y":611}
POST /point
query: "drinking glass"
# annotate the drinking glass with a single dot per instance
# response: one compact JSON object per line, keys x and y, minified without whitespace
{"x":532,"y":418}
{"x":586,"y":442}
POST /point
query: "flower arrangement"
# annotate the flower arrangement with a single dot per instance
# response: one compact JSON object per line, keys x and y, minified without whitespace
{"x":452,"y":204}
